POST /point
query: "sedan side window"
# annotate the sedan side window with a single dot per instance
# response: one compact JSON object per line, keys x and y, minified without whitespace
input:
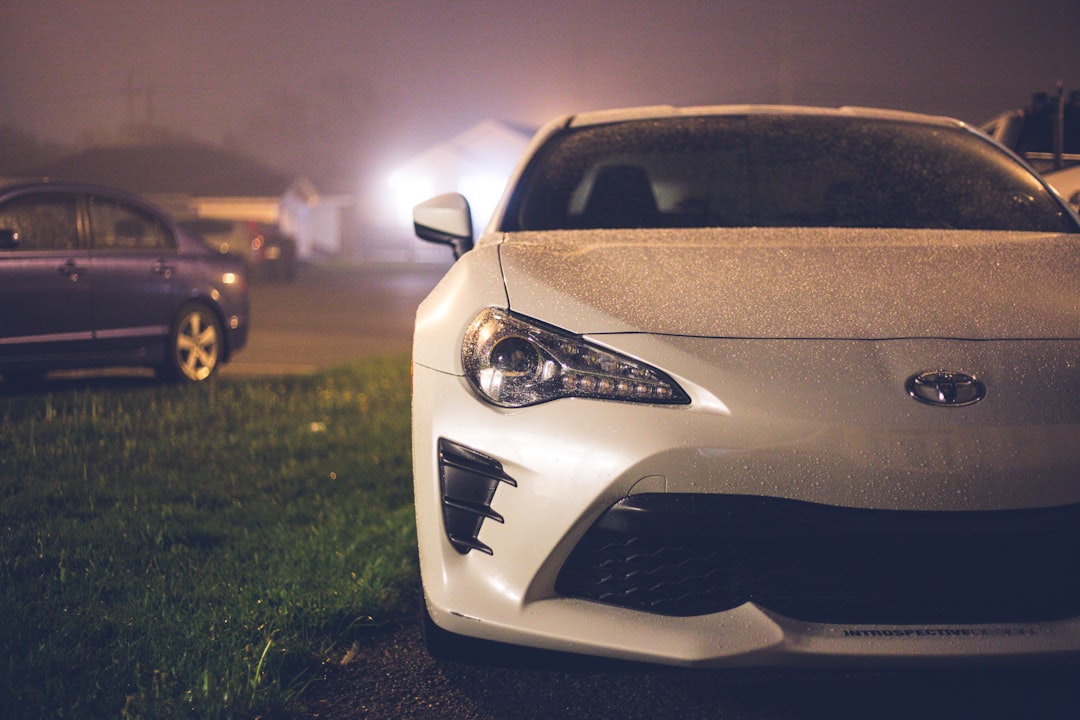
{"x":117,"y":226}
{"x":41,"y":223}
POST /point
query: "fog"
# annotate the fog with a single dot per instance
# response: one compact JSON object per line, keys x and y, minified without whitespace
{"x":342,"y":90}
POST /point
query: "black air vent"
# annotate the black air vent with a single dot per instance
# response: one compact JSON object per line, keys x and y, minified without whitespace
{"x":696,"y":554}
{"x":468,"y":480}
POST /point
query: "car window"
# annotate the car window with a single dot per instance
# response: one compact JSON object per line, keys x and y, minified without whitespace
{"x":776,"y":171}
{"x":118,"y":226}
{"x":42,"y":222}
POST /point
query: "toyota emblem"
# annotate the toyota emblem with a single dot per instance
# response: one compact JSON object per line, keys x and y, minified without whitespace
{"x":946,"y":388}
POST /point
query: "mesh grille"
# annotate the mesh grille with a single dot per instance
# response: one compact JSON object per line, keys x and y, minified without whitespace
{"x":834,"y":565}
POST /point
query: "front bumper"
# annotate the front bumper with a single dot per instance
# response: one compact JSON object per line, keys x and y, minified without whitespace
{"x":570,"y":462}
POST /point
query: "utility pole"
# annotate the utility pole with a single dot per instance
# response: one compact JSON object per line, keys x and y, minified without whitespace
{"x":1059,"y":128}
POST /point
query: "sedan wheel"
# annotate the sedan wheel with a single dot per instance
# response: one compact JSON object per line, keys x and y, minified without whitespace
{"x":194,"y":345}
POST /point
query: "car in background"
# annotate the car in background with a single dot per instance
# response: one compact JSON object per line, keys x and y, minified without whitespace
{"x":95,"y":277}
{"x":736,"y":386}
{"x":1047,"y":135}
{"x":1067,"y":182}
{"x":268,"y":251}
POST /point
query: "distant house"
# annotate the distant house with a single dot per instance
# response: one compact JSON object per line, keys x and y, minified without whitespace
{"x":476,"y":163}
{"x":192,"y":180}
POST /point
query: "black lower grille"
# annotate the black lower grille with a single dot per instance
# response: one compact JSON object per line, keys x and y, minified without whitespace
{"x":692,"y":555}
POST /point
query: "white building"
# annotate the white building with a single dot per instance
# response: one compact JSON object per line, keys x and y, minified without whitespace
{"x":476,"y":163}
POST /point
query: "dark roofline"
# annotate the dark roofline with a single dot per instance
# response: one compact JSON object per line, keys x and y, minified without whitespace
{"x":173,"y":168}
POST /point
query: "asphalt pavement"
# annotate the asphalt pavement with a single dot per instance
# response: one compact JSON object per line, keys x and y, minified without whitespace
{"x":330,"y":314}
{"x":389,"y":676}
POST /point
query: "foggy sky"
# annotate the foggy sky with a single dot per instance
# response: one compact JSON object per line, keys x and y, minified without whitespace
{"x":359,"y":86}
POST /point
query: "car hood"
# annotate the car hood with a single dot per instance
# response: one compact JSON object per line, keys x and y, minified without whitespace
{"x":825,"y":283}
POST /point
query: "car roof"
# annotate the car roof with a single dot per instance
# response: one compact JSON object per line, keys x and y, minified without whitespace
{"x":600,"y":117}
{"x":67,"y":186}
{"x":21,"y":188}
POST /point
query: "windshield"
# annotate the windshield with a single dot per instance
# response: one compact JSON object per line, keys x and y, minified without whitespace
{"x":778,"y":171}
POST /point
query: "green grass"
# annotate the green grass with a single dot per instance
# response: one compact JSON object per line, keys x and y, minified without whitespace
{"x":196,"y":552}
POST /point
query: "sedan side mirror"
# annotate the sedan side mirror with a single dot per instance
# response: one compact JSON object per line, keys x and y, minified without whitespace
{"x":9,"y":240}
{"x":447,"y":220}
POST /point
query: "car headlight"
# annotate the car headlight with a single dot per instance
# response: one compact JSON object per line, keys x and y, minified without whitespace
{"x":514,"y":362}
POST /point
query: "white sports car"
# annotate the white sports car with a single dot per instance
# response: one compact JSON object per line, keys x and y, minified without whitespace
{"x":738,"y":386}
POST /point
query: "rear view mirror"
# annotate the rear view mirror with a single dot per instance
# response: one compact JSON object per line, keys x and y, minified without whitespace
{"x":447,"y":220}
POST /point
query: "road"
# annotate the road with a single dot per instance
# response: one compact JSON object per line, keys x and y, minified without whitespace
{"x":389,"y":676}
{"x":331,"y":314}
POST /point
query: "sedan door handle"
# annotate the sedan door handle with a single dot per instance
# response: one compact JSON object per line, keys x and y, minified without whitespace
{"x":71,"y":269}
{"x":162,"y":268}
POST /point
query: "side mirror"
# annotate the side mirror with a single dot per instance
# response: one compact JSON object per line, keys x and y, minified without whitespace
{"x":447,"y":220}
{"x":9,"y":240}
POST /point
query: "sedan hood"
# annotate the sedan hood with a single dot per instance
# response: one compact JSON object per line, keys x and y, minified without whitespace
{"x":827,"y":283}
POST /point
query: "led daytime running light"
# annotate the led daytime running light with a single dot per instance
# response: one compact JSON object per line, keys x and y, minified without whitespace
{"x":514,"y":362}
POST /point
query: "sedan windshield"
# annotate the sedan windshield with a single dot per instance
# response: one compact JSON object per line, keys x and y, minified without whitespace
{"x":778,"y":171}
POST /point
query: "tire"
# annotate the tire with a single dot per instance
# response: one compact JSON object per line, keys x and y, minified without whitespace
{"x":26,"y":378}
{"x":290,"y":269}
{"x":443,"y":645}
{"x":196,"y":345}
{"x":447,"y":647}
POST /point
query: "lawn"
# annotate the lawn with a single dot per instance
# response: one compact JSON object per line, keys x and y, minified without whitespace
{"x":196,"y":551}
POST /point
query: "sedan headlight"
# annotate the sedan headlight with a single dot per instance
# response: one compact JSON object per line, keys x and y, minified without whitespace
{"x":513,"y":362}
